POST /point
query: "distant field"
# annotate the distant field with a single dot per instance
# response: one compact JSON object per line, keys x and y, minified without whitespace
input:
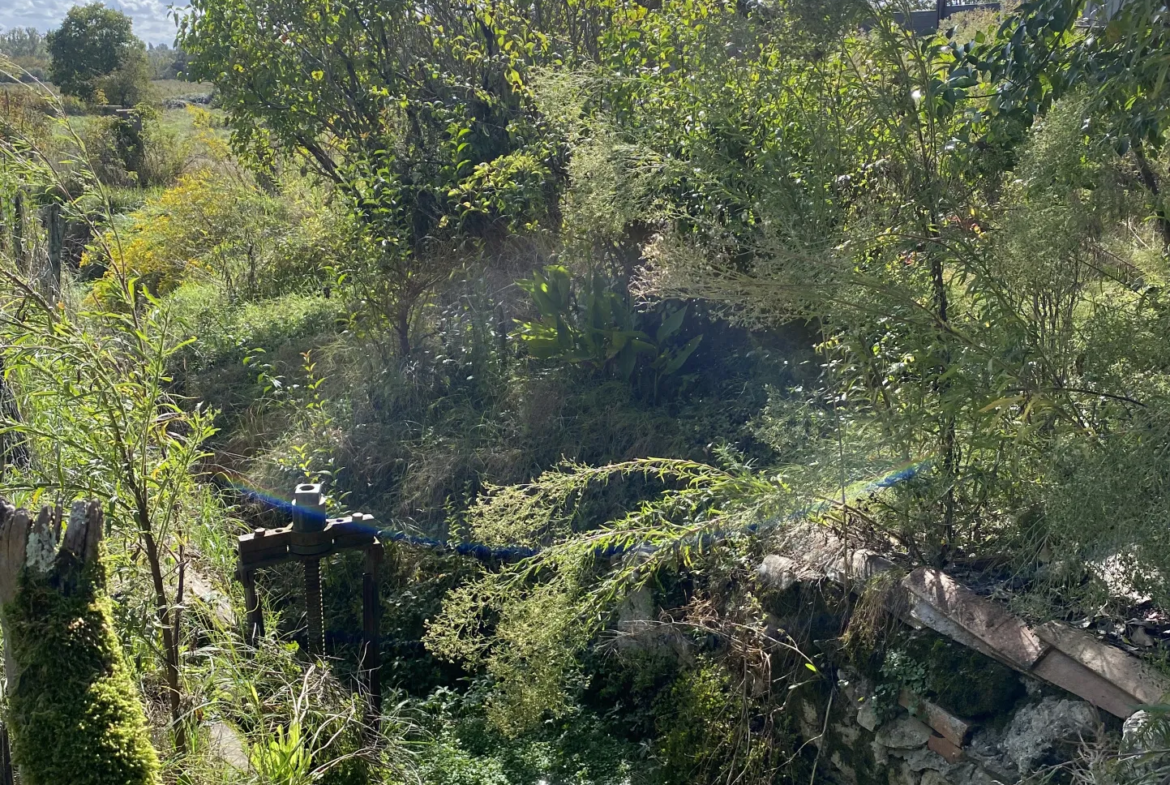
{"x":163,"y":88}
{"x":175,"y":88}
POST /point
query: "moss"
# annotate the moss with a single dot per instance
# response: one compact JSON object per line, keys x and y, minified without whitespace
{"x":962,"y":680}
{"x":75,"y":715}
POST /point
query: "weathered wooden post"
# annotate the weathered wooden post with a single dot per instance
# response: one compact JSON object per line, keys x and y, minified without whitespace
{"x":56,"y":234}
{"x":73,"y":713}
{"x":18,"y":229}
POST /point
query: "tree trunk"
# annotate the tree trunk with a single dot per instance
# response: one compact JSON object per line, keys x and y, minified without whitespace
{"x":13,"y":447}
{"x":73,"y":713}
{"x":1150,"y":181}
{"x":947,"y":441}
{"x":402,"y":328}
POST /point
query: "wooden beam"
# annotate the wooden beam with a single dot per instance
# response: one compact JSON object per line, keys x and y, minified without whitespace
{"x":1125,"y":672}
{"x":971,"y":619}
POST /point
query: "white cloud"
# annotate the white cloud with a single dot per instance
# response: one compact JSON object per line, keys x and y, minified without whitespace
{"x":153,"y":22}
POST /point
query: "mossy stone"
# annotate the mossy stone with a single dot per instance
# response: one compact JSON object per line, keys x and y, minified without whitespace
{"x":962,"y":680}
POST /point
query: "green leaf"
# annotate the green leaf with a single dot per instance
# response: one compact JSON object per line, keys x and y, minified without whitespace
{"x":671,"y":324}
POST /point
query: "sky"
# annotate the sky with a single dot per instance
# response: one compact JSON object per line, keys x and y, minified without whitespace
{"x":152,"y":22}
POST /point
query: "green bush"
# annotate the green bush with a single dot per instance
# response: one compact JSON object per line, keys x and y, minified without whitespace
{"x":245,"y":352}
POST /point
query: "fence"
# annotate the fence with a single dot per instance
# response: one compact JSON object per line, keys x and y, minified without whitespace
{"x":32,"y":233}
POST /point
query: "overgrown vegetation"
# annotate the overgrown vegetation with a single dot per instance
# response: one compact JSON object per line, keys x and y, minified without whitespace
{"x":622,"y":291}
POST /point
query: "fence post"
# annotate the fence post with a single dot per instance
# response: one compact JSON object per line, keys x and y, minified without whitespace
{"x":18,"y":229}
{"x":371,"y":661}
{"x":7,"y":776}
{"x":55,"y":232}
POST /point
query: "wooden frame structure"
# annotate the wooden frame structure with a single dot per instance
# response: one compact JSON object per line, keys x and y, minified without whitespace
{"x":311,"y":538}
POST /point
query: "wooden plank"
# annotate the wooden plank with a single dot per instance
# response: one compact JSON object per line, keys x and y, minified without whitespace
{"x":263,"y":540}
{"x":939,"y":719}
{"x":994,"y":626}
{"x":1121,"y":669}
{"x":1065,"y":672}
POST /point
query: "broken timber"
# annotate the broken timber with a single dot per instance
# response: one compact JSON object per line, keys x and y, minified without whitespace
{"x":1107,"y":677}
{"x":1103,"y":675}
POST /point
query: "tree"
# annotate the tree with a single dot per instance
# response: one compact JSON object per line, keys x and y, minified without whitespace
{"x":422,"y":120}
{"x":95,"y":50}
{"x":25,"y":47}
{"x":1040,"y":56}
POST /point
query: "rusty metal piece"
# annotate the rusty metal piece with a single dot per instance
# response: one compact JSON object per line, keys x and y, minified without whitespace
{"x":310,"y":538}
{"x":314,"y":612}
{"x":254,"y":614}
{"x":305,"y":541}
{"x":309,"y":522}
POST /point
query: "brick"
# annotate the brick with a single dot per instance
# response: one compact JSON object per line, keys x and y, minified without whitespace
{"x":939,"y":719}
{"x":949,"y":751}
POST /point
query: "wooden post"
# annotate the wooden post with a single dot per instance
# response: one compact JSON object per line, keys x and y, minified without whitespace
{"x":18,"y":230}
{"x":56,"y":235}
{"x":254,"y":613}
{"x":371,"y":661}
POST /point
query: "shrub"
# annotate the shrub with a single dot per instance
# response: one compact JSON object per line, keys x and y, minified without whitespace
{"x":131,"y":149}
{"x":214,"y":223}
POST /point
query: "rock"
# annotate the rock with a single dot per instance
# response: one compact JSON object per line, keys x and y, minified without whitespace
{"x":1037,"y":730}
{"x":1135,"y":730}
{"x":905,"y":733}
{"x":1143,"y":740}
{"x":923,"y":760}
{"x":964,"y":774}
{"x":867,"y":716}
{"x":809,"y":721}
{"x":1116,"y":572}
{"x":639,"y":629}
{"x":848,"y":734}
{"x":847,"y":772}
{"x":986,"y":749}
{"x":1141,"y":637}
{"x":782,"y":573}
{"x":903,"y":775}
{"x":227,"y":745}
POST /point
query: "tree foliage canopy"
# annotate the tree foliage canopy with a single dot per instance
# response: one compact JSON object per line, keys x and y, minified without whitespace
{"x":96,"y":49}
